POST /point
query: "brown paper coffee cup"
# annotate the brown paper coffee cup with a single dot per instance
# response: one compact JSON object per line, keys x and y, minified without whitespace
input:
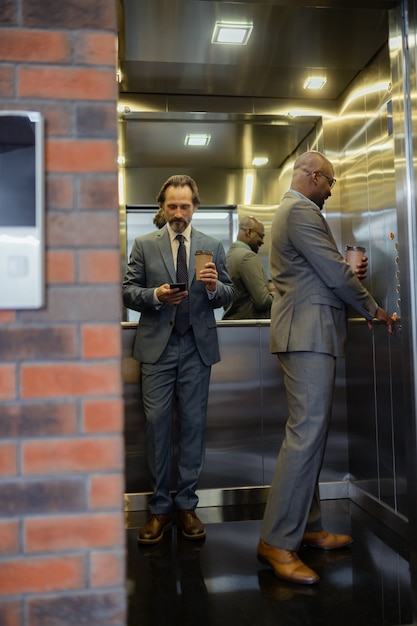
{"x":201,"y":258}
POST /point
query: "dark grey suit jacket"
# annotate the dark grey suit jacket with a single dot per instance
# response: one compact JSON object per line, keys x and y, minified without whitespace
{"x":151,"y":265}
{"x":313,"y":281}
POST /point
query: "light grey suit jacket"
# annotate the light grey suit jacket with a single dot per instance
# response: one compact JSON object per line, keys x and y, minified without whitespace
{"x":151,"y":265}
{"x":313,"y":281}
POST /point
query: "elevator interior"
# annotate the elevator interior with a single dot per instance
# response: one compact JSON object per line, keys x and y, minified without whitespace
{"x":173,"y":81}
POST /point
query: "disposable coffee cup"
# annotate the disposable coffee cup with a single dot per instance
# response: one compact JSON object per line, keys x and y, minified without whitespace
{"x":354,"y":255}
{"x":201,"y":258}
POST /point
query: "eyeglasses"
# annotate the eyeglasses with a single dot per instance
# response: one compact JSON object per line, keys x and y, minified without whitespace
{"x":332,"y":181}
{"x":261,"y":235}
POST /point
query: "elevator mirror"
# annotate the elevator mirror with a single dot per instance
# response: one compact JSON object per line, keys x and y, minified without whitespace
{"x":249,"y":100}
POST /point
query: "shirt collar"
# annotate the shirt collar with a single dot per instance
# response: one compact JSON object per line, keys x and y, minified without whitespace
{"x":303,"y":197}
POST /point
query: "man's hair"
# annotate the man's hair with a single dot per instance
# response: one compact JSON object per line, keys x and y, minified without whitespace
{"x":179,"y":180}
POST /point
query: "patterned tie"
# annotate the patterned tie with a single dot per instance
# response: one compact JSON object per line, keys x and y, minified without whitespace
{"x":182,"y":317}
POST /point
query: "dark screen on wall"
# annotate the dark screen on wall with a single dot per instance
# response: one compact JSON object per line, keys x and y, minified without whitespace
{"x":17,"y":171}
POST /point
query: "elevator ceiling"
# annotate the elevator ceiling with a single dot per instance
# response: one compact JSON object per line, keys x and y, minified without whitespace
{"x":175,"y":81}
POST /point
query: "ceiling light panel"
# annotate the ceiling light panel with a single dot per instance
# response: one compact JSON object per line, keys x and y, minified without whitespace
{"x":315,"y":82}
{"x":194,"y":139}
{"x":232,"y":33}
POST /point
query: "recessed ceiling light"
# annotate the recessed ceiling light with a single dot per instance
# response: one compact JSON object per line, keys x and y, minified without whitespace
{"x":232,"y":33}
{"x":197,"y":139}
{"x":260,"y":160}
{"x":315,"y":82}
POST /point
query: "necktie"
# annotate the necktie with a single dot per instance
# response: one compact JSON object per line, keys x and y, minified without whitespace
{"x":182,"y":316}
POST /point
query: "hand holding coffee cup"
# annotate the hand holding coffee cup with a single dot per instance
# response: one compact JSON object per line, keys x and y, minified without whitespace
{"x":354,"y":255}
{"x":201,"y":258}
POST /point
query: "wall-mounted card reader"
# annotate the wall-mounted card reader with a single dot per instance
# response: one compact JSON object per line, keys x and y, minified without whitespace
{"x":22,"y":281}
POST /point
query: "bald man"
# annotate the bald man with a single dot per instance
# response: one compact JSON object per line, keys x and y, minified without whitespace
{"x":314,"y":284}
{"x":252,"y":297}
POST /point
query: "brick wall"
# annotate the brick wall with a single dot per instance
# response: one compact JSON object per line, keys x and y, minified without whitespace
{"x":61,"y":411}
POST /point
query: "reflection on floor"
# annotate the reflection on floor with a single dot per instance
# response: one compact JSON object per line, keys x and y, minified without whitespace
{"x":219,"y":582}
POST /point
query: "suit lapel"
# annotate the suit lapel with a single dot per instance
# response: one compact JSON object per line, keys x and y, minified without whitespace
{"x":164,"y":244}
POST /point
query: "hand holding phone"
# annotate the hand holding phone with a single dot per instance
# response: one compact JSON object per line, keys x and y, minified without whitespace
{"x":180,"y":286}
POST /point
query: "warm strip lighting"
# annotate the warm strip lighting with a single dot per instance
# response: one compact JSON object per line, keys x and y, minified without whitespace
{"x":231,"y":33}
{"x":260,"y":161}
{"x":197,"y":140}
{"x":315,"y":82}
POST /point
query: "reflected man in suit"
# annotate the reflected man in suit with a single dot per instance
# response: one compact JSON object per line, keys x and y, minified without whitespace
{"x":252,"y":297}
{"x":176,"y":352}
{"x":308,"y":332}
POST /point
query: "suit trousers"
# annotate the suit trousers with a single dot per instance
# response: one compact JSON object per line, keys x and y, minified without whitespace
{"x":293,"y":504}
{"x":179,"y":376}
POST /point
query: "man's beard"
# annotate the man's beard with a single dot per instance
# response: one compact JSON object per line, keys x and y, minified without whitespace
{"x":178,"y":226}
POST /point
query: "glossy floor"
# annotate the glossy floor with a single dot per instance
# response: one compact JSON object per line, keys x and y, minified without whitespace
{"x":220,"y":582}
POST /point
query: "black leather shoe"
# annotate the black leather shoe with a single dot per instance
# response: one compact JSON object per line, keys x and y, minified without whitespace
{"x":154,"y":529}
{"x":191,"y":526}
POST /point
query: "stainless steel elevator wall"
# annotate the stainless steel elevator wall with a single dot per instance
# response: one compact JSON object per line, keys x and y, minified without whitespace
{"x":246,"y":415}
{"x":365,"y":163}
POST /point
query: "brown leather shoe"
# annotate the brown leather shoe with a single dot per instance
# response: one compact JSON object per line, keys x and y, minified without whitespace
{"x":191,"y":526}
{"x":326,"y":541}
{"x":286,"y":564}
{"x":154,"y":529}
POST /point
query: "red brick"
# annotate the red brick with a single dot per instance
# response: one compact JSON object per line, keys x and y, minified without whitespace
{"x":52,"y":534}
{"x":99,"y":193}
{"x":38,"y":343}
{"x":100,"y":266}
{"x":72,"y":455}
{"x":106,"y":569}
{"x":60,"y":266}
{"x":67,"y":83}
{"x":9,"y":538}
{"x":7,"y":382}
{"x":10,"y":614}
{"x":59,"y":192}
{"x":8,"y":460}
{"x":6,"y":82}
{"x":73,"y":14}
{"x":30,"y":45}
{"x":41,"y":575}
{"x":37,"y":420}
{"x":101,"y":341}
{"x":103,"y":416}
{"x":42,"y":496}
{"x":95,"y":48}
{"x":7,"y":317}
{"x":106,"y":491}
{"x":96,"y":120}
{"x":70,"y":303}
{"x":80,"y":155}
{"x":69,"y":379}
{"x":75,"y":230}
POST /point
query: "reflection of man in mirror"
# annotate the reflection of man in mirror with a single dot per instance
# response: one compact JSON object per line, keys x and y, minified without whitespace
{"x":176,"y":344}
{"x":253,"y":298}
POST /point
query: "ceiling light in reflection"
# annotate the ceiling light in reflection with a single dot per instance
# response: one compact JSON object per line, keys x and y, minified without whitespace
{"x":232,"y":33}
{"x":257,"y":161}
{"x":315,"y":82}
{"x":197,"y":139}
{"x":248,"y":188}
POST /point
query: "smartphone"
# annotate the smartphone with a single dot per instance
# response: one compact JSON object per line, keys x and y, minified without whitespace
{"x":180,"y":286}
